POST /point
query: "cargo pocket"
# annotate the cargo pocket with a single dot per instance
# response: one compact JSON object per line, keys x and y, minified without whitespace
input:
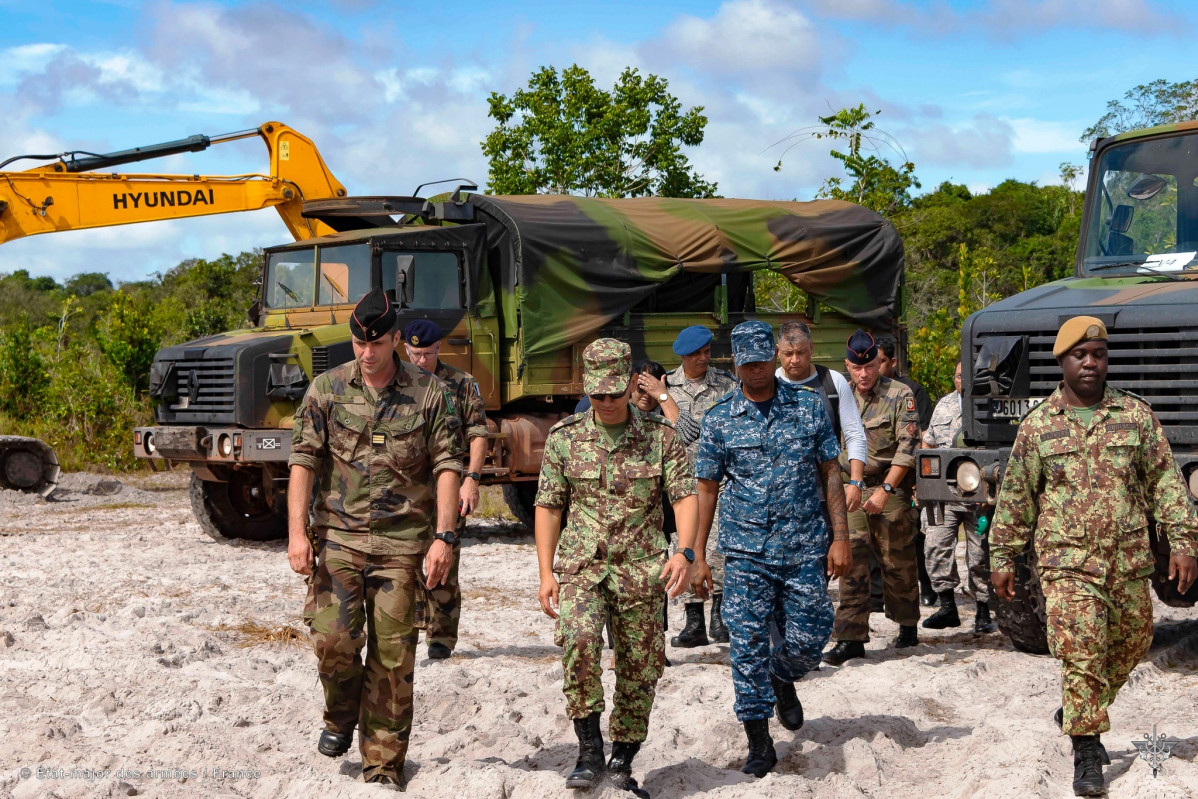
{"x":1121,"y":445}
{"x":345,"y":433}
{"x":640,"y":480}
{"x":404,"y":440}
{"x":1060,"y":462}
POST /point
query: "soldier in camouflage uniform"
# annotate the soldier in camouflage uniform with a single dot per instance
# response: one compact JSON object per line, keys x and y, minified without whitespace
{"x":422,"y":341}
{"x":695,"y":386}
{"x":372,"y":437}
{"x":775,"y":445}
{"x":883,"y":523}
{"x":613,"y":464}
{"x":1089,"y":468}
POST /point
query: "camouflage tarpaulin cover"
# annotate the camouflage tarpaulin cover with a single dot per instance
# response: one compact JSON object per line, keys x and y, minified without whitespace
{"x":581,"y":262}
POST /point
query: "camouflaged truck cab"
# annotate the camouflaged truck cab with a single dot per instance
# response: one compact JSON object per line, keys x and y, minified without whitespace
{"x":520,"y":285}
{"x":1136,"y":269}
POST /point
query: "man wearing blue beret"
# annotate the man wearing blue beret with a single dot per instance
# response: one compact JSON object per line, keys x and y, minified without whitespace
{"x":695,"y":386}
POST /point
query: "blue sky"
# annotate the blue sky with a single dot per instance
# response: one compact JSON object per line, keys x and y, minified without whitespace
{"x":394,"y":94}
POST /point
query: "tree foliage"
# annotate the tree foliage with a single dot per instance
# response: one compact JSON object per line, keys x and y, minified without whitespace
{"x":564,"y":135}
{"x":1157,"y":103}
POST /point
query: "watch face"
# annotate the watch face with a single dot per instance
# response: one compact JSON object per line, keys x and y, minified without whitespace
{"x":663,"y":397}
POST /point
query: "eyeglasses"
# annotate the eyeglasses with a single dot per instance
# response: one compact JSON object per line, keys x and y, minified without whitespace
{"x":607,"y":397}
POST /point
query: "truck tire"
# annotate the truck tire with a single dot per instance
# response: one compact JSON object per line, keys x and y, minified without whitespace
{"x":229,"y":510}
{"x":1166,"y":589}
{"x":1023,"y":619}
{"x":520,"y":498}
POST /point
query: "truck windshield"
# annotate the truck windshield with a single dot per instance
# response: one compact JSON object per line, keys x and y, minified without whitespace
{"x":289,"y":279}
{"x":298,"y":279}
{"x":1144,"y":217}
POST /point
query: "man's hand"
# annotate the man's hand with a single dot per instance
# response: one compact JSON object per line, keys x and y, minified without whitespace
{"x":468,"y":497}
{"x":840,"y":559}
{"x":676,"y":574}
{"x":1185,"y":569}
{"x":852,"y":497}
{"x":877,"y":500}
{"x":1004,"y":583}
{"x":701,"y":582}
{"x":299,"y":554}
{"x":436,"y":563}
{"x":548,"y":596}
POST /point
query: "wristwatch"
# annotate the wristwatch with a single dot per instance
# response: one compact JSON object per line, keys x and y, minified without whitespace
{"x":448,"y":537}
{"x":859,"y":483}
{"x":888,"y":488}
{"x":663,"y":396}
{"x":689,"y":554}
{"x":477,"y":477}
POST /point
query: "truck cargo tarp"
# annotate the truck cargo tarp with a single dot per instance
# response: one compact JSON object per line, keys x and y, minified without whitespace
{"x":582,"y":262}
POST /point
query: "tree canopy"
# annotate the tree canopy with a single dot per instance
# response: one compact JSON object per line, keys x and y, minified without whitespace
{"x":1147,"y":105}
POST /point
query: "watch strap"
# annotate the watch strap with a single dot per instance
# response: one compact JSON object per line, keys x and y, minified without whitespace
{"x":448,"y":537}
{"x":477,"y":477}
{"x":888,"y":488}
{"x":859,"y":483}
{"x":689,"y":554}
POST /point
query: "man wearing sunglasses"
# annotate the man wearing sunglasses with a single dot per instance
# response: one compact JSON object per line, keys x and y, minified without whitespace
{"x":614,"y":465}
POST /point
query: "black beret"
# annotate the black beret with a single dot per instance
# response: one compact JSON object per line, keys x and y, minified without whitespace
{"x":861,"y":348}
{"x":422,"y":333}
{"x":373,"y":317}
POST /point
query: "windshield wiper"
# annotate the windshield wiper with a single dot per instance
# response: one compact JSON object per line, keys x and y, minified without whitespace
{"x":1137,"y":265}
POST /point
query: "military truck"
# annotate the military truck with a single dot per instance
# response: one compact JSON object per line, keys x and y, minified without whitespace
{"x":520,"y":285}
{"x":1135,"y":270}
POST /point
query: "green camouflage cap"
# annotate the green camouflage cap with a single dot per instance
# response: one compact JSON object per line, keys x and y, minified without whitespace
{"x":608,"y":365}
{"x":753,"y":342}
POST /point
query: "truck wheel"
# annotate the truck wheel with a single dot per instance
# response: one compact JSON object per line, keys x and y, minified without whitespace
{"x":231,"y":510}
{"x":1166,"y":589}
{"x":520,"y":498}
{"x":1023,"y":619}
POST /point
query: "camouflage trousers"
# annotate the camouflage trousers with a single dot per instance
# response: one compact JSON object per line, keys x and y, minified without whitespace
{"x":376,"y":601}
{"x":715,"y":562}
{"x":795,"y":598}
{"x":890,"y":538}
{"x":445,"y":605}
{"x":1099,"y":633}
{"x":632,"y":595}
{"x":940,"y":549}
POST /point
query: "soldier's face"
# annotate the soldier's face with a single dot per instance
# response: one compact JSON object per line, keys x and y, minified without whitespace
{"x":641,"y":398}
{"x":885,"y":365}
{"x":374,"y":357}
{"x":796,"y":358}
{"x":611,"y":409}
{"x":756,"y":375}
{"x":864,"y":376}
{"x":957,"y":378}
{"x":424,"y":357}
{"x":695,"y":364}
{"x":1084,"y":368}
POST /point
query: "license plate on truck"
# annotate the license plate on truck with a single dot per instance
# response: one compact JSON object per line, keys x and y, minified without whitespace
{"x":1013,"y":408}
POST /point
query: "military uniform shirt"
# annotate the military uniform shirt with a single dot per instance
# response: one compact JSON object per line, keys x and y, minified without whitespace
{"x":694,"y":403}
{"x":615,"y":494}
{"x":891,"y":427}
{"x":1086,"y":492}
{"x":946,"y":421}
{"x":376,"y":460}
{"x":770,"y":506}
{"x":467,"y":400}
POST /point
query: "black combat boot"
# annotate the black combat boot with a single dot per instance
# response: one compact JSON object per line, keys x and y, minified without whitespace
{"x":333,"y":744}
{"x":762,"y":757}
{"x":619,"y":767}
{"x":844,"y":650}
{"x":717,"y":631}
{"x":947,"y":615}
{"x":927,"y":595}
{"x":790,"y":709}
{"x":692,"y":634}
{"x":590,"y":765}
{"x":908,"y":636}
{"x":1087,"y":766}
{"x":981,"y":620}
{"x":1059,"y":718}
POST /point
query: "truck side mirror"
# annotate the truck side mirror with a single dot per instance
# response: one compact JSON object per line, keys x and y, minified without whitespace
{"x":1146,"y":187}
{"x":1121,"y":219}
{"x":405,"y":276}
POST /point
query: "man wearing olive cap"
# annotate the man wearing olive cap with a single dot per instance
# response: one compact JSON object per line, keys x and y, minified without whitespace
{"x":1089,"y":469}
{"x":613,"y":464}
{"x":372,"y":438}
{"x":695,"y":386}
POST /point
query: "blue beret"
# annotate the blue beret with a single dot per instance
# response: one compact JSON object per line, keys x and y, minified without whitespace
{"x":422,"y":333}
{"x":692,"y":339}
{"x":861,"y":348}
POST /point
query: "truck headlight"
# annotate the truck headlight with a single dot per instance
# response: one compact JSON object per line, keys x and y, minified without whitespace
{"x":149,"y":444}
{"x":1193,"y":481}
{"x":969,"y":476}
{"x":224,"y":445}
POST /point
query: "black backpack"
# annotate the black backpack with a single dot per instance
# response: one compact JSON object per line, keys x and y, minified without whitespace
{"x":829,"y":387}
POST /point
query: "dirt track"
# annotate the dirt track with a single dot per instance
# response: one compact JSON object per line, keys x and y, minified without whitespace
{"x":130,"y":641}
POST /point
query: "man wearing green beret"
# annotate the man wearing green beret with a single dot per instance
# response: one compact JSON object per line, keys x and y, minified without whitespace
{"x":1089,"y":469}
{"x":613,"y":464}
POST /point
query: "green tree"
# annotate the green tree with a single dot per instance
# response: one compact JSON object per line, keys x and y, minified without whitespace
{"x":129,"y":335}
{"x":563,"y":135}
{"x":23,"y":375}
{"x":1157,"y":103}
{"x":86,"y":284}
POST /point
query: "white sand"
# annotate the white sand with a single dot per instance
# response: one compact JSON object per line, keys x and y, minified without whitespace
{"x":112,"y":657}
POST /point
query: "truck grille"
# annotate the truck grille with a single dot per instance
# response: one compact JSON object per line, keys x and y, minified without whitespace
{"x":320,"y":360}
{"x":1159,"y":364}
{"x":206,"y":386}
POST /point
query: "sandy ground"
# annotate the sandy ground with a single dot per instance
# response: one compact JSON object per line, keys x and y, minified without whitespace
{"x":123,"y":647}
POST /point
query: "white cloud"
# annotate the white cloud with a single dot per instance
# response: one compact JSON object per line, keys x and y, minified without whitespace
{"x":983,"y":142}
{"x":746,"y":36}
{"x":1041,"y":136}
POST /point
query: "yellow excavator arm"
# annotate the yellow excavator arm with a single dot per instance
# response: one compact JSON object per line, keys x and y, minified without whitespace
{"x":71,"y":193}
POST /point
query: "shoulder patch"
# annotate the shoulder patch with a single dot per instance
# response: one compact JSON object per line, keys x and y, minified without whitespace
{"x":910,"y":403}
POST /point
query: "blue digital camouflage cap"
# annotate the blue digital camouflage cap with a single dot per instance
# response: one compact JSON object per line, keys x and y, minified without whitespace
{"x":753,"y":342}
{"x":692,"y":339}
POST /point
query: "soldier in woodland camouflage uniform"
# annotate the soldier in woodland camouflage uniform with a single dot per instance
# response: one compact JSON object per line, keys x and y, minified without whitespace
{"x":1089,"y":468}
{"x":371,"y":437}
{"x":775,"y":446}
{"x":695,"y":386}
{"x":422,"y":341}
{"x":883,"y":524}
{"x":613,"y":464}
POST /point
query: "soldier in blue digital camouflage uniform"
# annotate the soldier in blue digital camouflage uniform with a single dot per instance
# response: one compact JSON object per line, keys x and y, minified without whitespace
{"x":773,"y":442}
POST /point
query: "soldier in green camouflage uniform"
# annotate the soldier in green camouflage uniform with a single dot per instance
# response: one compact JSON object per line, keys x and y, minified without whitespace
{"x":1089,"y":468}
{"x":371,"y":437}
{"x":882,"y":524}
{"x":695,"y":386}
{"x":613,"y":464}
{"x":422,"y":341}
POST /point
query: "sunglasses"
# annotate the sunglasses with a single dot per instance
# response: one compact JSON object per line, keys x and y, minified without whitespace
{"x":607,"y":397}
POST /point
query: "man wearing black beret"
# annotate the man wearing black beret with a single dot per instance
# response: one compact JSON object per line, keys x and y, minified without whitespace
{"x":371,"y":437}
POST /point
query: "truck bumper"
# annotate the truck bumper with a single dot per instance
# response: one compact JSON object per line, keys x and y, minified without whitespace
{"x":959,"y":476}
{"x":216,"y":445}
